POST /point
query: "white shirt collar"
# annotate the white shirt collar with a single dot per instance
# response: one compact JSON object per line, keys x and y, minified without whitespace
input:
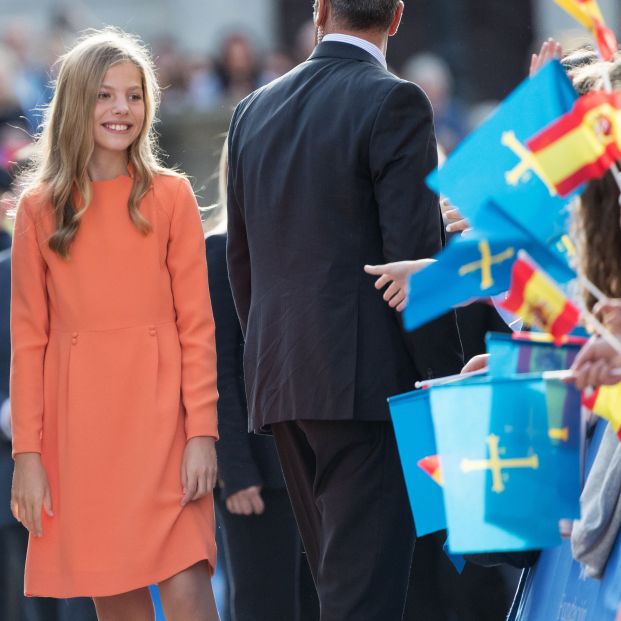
{"x":367,"y":46}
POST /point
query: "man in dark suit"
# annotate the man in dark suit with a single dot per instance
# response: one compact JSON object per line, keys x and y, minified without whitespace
{"x":326,"y":174}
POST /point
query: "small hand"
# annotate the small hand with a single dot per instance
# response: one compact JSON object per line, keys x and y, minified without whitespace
{"x":199,"y":469}
{"x":550,"y":49}
{"x":476,"y":363}
{"x":397,"y":274}
{"x":246,"y":501}
{"x":456,"y":222}
{"x":30,"y":494}
{"x":595,"y":365}
{"x":609,"y":311}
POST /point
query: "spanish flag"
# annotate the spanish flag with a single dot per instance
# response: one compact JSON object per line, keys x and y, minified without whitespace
{"x":580,"y":145}
{"x":431,"y":466}
{"x":536,"y":299}
{"x":606,"y":402}
{"x":588,"y":14}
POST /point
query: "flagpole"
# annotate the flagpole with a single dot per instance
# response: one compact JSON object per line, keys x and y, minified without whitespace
{"x":567,"y":374}
{"x":595,"y":291}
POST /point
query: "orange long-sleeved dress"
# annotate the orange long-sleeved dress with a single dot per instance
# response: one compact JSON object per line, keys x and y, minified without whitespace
{"x":113,"y":369}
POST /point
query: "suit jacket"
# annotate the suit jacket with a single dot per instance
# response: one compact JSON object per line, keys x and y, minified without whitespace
{"x":6,"y":462}
{"x":244,"y":459}
{"x":326,"y":173}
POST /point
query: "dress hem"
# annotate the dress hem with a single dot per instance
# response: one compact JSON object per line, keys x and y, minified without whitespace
{"x":156,"y":578}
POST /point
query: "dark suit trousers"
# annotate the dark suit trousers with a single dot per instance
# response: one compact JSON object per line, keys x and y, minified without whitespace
{"x":350,"y":502}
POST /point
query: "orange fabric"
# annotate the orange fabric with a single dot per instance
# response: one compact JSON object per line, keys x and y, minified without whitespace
{"x":113,"y":368}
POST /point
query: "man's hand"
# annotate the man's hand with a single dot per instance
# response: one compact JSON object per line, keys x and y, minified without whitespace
{"x":199,"y":469}
{"x":595,"y":365}
{"x":397,"y":274}
{"x":30,"y":494}
{"x":246,"y":501}
{"x":550,"y":49}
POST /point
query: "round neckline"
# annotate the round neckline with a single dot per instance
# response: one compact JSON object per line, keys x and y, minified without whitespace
{"x":127,"y":175}
{"x":113,"y":179}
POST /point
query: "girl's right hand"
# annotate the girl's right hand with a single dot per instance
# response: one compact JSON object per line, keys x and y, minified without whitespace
{"x":31,"y":492}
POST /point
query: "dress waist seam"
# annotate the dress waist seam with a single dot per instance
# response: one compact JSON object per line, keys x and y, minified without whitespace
{"x":83,"y":330}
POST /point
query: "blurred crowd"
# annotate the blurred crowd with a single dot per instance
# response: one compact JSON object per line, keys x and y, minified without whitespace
{"x":192,"y":83}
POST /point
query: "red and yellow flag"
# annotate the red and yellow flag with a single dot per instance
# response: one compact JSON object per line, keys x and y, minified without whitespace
{"x":588,"y":14}
{"x":431,"y":466}
{"x":606,"y":402}
{"x":537,"y":300}
{"x":580,"y":145}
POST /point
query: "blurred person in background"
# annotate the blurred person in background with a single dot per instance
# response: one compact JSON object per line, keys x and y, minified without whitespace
{"x":173,"y":74}
{"x":30,"y":59}
{"x":268,"y":576}
{"x":237,"y":68}
{"x":305,"y":41}
{"x":433,"y":75}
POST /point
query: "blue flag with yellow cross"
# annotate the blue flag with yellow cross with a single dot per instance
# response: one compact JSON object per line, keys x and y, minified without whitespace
{"x":494,"y":164}
{"x":467,"y":269}
{"x":478,"y":266}
{"x":510,"y":460}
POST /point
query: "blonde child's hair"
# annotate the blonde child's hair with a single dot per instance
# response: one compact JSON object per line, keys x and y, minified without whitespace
{"x":65,"y":145}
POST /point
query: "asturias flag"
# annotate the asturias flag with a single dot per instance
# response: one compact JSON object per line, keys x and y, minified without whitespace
{"x":581,"y":145}
{"x":587,"y":13}
{"x":494,"y":164}
{"x":536,"y":299}
{"x":467,"y":269}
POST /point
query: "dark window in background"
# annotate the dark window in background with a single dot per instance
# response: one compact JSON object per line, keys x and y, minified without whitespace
{"x":487,"y":43}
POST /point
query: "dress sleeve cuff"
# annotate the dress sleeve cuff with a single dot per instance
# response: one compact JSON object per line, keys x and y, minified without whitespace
{"x":26,"y":447}
{"x":195,"y":429}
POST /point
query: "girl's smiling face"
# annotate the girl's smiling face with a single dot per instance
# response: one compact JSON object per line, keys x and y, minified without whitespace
{"x":119,"y":110}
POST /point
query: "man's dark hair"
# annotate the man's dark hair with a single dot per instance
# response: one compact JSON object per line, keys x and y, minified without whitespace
{"x":364,"y":14}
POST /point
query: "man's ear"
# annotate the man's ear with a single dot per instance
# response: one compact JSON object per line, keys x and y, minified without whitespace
{"x":321,"y":13}
{"x":396,"y":19}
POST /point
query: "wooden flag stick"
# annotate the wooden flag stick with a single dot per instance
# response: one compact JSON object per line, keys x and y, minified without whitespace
{"x":596,"y":292}
{"x":449,"y":379}
{"x":567,"y":374}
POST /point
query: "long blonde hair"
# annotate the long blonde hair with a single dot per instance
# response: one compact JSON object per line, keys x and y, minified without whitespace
{"x":65,"y":145}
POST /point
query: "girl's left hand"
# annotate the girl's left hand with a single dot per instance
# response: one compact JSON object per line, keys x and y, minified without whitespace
{"x":199,"y":469}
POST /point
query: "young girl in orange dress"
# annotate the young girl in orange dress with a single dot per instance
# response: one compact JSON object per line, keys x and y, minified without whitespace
{"x":113,"y":380}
